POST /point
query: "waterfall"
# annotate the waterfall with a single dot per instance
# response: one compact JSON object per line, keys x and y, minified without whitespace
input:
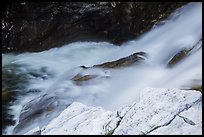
{"x":181,"y":30}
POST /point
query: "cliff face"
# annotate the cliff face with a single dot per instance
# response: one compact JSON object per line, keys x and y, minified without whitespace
{"x":39,"y":26}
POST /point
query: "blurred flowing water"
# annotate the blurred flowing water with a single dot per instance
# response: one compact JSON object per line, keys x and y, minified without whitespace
{"x":50,"y":71}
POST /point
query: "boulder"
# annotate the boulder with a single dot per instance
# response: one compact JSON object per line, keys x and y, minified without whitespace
{"x":159,"y":111}
{"x":183,"y":53}
{"x":126,"y":61}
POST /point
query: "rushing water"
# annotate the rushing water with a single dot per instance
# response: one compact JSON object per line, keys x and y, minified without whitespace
{"x":182,"y":30}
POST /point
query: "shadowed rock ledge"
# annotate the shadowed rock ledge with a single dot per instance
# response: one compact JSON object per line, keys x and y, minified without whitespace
{"x":30,"y":26}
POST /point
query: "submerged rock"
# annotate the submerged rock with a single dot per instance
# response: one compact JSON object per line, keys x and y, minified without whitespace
{"x":39,"y":111}
{"x":159,"y":111}
{"x":89,"y":73}
{"x":7,"y":118}
{"x":14,"y":82}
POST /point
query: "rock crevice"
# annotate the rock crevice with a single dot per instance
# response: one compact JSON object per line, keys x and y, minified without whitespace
{"x":188,"y":106}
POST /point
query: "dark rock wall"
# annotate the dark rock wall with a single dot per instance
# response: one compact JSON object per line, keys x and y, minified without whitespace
{"x":30,"y":26}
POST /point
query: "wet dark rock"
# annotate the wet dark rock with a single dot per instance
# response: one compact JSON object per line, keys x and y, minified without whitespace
{"x":79,"y":79}
{"x":40,"y":110}
{"x":7,"y":119}
{"x":178,"y":57}
{"x":14,"y":85}
{"x":5,"y":95}
{"x":198,"y":88}
{"x":30,"y":26}
{"x":135,"y":58}
{"x":183,"y":53}
{"x":126,"y":61}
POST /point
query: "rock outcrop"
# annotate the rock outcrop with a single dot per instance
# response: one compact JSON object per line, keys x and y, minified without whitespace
{"x":159,"y":111}
{"x":126,"y":61}
{"x":30,"y":26}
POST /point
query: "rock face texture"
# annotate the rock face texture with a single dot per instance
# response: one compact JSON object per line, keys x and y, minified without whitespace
{"x":160,"y":108}
{"x":159,"y":111}
{"x":30,"y":26}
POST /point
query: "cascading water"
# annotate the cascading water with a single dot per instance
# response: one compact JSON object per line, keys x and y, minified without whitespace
{"x":182,"y":30}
